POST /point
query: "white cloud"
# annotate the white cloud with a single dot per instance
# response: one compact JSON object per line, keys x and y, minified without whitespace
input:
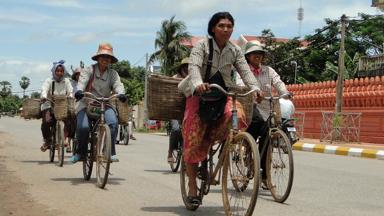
{"x":63,"y":3}
{"x":12,"y":69}
{"x":22,"y":17}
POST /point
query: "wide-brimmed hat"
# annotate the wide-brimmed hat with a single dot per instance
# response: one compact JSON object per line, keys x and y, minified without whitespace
{"x":254,"y":46}
{"x":184,"y":61}
{"x":105,"y":49}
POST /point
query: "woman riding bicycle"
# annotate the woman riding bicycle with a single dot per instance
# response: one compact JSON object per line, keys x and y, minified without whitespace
{"x":55,"y":85}
{"x":268,"y":79}
{"x":100,"y":80}
{"x":199,"y":134}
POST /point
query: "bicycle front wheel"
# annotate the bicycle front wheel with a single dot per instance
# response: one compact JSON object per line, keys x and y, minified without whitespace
{"x":241,"y":175}
{"x":60,"y":142}
{"x":88,"y":158}
{"x":124,"y":134}
{"x":279,"y":165}
{"x":176,"y":142}
{"x":103,"y":157}
{"x":52,"y":144}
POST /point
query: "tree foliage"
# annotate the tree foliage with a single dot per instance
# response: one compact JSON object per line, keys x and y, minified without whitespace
{"x":170,"y":51}
{"x":133,"y":79}
{"x":6,"y":88}
{"x":318,"y":61}
{"x":24,"y":83}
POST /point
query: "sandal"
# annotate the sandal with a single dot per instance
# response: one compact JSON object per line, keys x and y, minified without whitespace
{"x":69,"y":150}
{"x":44,"y":147}
{"x":194,"y":200}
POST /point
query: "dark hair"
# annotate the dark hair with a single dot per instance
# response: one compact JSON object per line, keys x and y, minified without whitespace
{"x":216,"y":19}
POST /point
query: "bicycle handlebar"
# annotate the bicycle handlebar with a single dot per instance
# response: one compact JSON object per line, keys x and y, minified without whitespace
{"x":288,"y":94}
{"x":230,"y":93}
{"x":93,"y":97}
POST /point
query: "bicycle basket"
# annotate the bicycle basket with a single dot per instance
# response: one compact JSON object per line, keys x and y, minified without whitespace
{"x":60,"y":107}
{"x":164,"y":100}
{"x":93,"y":110}
{"x":71,"y":106}
{"x":277,"y":111}
{"x":31,"y":108}
{"x":123,"y":111}
{"x":246,"y":102}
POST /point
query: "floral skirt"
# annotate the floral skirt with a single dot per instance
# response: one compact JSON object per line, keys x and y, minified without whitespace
{"x":199,"y":136}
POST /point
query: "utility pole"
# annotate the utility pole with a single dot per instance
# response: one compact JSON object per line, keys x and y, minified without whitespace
{"x":340,"y":77}
{"x":146,"y":88}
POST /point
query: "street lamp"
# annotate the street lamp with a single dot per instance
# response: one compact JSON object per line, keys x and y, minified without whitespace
{"x":294,"y":65}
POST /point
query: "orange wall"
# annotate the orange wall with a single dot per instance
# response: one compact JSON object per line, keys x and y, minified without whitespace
{"x":364,"y":95}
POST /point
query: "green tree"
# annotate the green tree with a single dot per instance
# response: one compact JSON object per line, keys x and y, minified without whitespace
{"x":24,"y":83}
{"x":6,"y":88}
{"x":170,"y":51}
{"x":11,"y":103}
{"x":35,"y":95}
{"x":133,"y":80}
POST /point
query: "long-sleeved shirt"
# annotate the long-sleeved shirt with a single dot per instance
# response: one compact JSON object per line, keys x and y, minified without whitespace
{"x":103,"y":85}
{"x":223,"y":60}
{"x":63,"y":87}
{"x":268,"y":78}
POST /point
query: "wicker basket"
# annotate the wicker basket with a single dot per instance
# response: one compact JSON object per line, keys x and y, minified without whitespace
{"x":164,"y":100}
{"x":277,"y":111}
{"x":123,"y":111}
{"x":31,"y":108}
{"x":246,"y":102}
{"x":60,"y":107}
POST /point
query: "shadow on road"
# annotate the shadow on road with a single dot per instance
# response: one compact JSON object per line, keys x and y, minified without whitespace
{"x":37,"y":162}
{"x":164,"y":172}
{"x":181,"y":210}
{"x":80,"y":181}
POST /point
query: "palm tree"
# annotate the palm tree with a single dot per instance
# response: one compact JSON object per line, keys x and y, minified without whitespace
{"x":24,"y":83}
{"x":6,"y":88}
{"x":170,"y":52}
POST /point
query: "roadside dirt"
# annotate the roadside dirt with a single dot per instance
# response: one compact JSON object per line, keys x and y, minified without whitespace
{"x":14,"y":198}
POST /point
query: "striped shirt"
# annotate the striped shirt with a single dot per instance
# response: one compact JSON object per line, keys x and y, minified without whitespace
{"x":222,"y":60}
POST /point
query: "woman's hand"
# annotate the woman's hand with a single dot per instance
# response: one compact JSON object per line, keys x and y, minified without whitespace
{"x":258,"y":96}
{"x":202,"y":88}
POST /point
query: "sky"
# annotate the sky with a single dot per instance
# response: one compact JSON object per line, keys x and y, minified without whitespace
{"x":35,"y":33}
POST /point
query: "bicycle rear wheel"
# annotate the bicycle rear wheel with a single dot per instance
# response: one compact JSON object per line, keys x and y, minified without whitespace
{"x":103,"y":157}
{"x":241,"y":175}
{"x":124,"y":134}
{"x":185,"y":188}
{"x":279,"y":165}
{"x":60,"y":142}
{"x":88,"y":159}
{"x":176,"y":142}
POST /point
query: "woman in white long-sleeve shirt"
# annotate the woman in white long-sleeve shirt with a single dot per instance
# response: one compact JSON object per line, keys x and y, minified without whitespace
{"x":55,"y":85}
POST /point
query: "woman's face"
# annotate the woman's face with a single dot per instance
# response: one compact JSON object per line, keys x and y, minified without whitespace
{"x":255,"y":58}
{"x":59,"y":72}
{"x":104,"y":61}
{"x":223,"y":30}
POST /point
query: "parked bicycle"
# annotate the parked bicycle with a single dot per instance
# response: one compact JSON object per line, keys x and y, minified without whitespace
{"x":123,"y":134}
{"x":238,"y":160}
{"x":278,"y":155}
{"x":99,"y":146}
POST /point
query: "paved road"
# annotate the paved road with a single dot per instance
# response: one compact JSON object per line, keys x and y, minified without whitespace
{"x":142,"y":184}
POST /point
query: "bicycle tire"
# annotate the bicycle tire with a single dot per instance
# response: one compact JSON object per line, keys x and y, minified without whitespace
{"x":242,"y":152}
{"x":125,"y":134}
{"x":52,"y":144}
{"x":280,"y":149}
{"x":60,"y":142}
{"x":89,"y":158}
{"x":176,"y":152}
{"x":184,"y":187}
{"x":103,"y":155}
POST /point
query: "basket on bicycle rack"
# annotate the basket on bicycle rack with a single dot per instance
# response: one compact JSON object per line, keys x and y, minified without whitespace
{"x":246,"y":102}
{"x":31,"y":108}
{"x":123,"y":111}
{"x":165,"y":101}
{"x":60,"y":107}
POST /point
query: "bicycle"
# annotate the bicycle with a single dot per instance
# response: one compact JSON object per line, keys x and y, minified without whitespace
{"x":279,"y":157}
{"x":238,"y":160}
{"x":176,"y":142}
{"x":99,"y":146}
{"x":60,"y":112}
